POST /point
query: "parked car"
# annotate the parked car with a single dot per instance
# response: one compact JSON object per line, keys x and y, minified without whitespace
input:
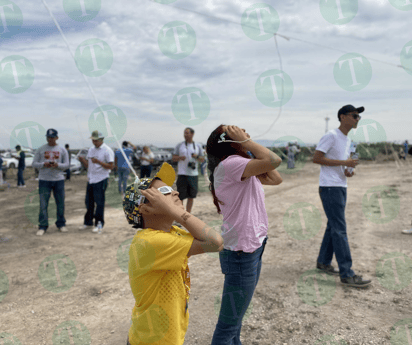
{"x":161,"y":155}
{"x":13,"y":163}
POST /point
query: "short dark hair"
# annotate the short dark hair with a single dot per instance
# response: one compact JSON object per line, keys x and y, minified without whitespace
{"x":190,"y":129}
{"x":125,"y":143}
{"x":18,"y":147}
{"x":66,"y":146}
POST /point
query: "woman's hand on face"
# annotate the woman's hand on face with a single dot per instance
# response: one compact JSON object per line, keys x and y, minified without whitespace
{"x":236,"y":134}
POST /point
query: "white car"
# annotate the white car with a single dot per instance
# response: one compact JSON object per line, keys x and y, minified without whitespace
{"x":12,"y":163}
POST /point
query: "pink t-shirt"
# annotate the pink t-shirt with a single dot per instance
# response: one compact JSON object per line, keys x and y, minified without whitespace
{"x":245,"y":221}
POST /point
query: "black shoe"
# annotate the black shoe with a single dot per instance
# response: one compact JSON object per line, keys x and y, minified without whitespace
{"x":328,"y":269}
{"x":355,"y":281}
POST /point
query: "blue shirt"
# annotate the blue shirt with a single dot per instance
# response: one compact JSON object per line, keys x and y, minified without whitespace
{"x":1,"y":163}
{"x":121,"y":163}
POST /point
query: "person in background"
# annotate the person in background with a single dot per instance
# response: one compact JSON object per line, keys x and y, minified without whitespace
{"x":70,"y":162}
{"x":121,"y":166}
{"x":405,"y":145}
{"x":21,"y":156}
{"x":1,"y":170}
{"x":188,"y":154}
{"x":333,"y":155}
{"x":98,"y":162}
{"x":293,"y":148}
{"x":51,"y":159}
{"x":146,"y":161}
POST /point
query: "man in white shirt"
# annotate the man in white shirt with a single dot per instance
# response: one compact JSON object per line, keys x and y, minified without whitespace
{"x":188,"y":154}
{"x":99,"y":162}
{"x":332,"y":153}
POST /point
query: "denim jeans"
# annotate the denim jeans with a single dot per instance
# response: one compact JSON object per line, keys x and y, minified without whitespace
{"x":145,"y":170}
{"x":95,"y":194}
{"x":242,"y":271}
{"x":45,"y":188}
{"x":335,"y":239}
{"x":123,"y":175}
{"x":20,"y":180}
{"x":68,"y":174}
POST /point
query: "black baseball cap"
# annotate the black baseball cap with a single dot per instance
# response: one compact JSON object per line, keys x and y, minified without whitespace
{"x":348,"y":109}
{"x":52,"y":133}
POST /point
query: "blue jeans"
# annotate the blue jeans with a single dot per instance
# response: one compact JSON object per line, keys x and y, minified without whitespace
{"x":242,"y":271}
{"x":68,"y":172}
{"x":20,"y":180}
{"x":95,"y":194}
{"x":335,"y":239}
{"x":145,"y":170}
{"x":45,"y":188}
{"x":123,"y":175}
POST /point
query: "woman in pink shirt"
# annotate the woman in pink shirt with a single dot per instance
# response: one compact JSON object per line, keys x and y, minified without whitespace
{"x":236,"y":185}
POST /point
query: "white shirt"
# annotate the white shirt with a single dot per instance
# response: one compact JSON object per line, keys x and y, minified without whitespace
{"x":187,"y":150}
{"x":335,"y":145}
{"x":96,"y":173}
{"x":147,"y":156}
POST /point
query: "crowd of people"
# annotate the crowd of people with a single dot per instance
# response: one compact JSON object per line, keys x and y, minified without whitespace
{"x":238,"y":167}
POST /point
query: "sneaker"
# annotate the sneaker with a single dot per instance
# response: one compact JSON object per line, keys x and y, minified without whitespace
{"x":40,"y":232}
{"x":85,"y":227}
{"x":63,"y":229}
{"x":355,"y":281}
{"x":408,"y":232}
{"x":95,"y":229}
{"x":116,"y":179}
{"x":328,"y":269}
{"x":24,"y":186}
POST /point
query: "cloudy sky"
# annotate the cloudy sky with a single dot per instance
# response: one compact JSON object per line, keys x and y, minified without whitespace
{"x":157,"y":67}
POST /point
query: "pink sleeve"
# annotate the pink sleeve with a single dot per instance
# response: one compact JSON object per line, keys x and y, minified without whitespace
{"x":234,"y":166}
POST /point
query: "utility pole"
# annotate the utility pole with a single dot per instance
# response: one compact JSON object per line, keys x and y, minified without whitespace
{"x":327,"y":120}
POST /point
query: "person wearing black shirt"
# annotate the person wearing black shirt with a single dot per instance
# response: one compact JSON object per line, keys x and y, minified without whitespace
{"x":22,"y":165}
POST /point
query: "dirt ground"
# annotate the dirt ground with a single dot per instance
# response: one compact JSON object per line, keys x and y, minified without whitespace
{"x":73,"y":288}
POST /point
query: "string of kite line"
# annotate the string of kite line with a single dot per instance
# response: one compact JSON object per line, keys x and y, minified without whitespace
{"x":288,"y":38}
{"x":90,"y":87}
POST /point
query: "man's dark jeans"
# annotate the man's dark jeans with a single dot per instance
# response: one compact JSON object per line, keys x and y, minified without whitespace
{"x":335,"y":239}
{"x":45,"y":188}
{"x":20,"y":180}
{"x":242,"y":272}
{"x":95,"y":194}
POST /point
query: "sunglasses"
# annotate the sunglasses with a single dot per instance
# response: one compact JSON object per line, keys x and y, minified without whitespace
{"x":164,"y":190}
{"x":355,"y":116}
